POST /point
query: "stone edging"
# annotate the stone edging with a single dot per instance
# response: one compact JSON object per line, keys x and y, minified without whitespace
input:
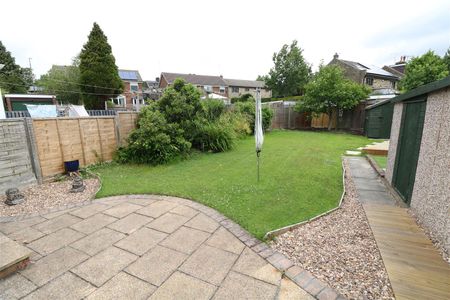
{"x":375,"y":166}
{"x":274,"y":233}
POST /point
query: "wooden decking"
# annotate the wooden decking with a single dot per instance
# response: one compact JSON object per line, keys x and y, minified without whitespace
{"x":416,"y":269}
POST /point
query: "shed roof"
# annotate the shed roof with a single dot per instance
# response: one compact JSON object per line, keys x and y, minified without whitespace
{"x":245,"y":83}
{"x":195,"y":79}
{"x":29,"y":96}
{"x":424,"y":90}
{"x":370,"y":69}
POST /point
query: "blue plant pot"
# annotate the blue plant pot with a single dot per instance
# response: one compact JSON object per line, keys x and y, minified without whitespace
{"x":72,"y":166}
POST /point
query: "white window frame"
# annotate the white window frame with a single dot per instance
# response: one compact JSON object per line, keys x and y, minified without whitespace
{"x":208,"y":88}
{"x":134,"y":84}
{"x":222,"y":89}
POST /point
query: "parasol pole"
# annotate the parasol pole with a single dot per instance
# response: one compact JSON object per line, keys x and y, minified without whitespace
{"x":259,"y":137}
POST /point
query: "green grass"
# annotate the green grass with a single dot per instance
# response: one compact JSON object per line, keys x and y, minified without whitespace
{"x":301,"y":177}
{"x":380,"y":160}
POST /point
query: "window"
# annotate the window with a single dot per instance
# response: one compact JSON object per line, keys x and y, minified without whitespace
{"x":393,"y":84}
{"x":247,"y":89}
{"x":208,"y":88}
{"x":235,"y":89}
{"x":222,"y":89}
{"x":134,"y":87}
{"x":119,"y":100}
{"x":369,"y":80}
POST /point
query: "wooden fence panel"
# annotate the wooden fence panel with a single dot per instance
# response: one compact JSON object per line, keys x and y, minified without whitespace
{"x":49,"y":150}
{"x":90,"y":140}
{"x":127,"y":122}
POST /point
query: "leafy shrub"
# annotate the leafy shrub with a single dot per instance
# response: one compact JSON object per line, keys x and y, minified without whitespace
{"x":240,"y":123}
{"x":248,"y":110}
{"x":155,"y":141}
{"x":216,"y":136}
{"x":243,"y":98}
{"x":212,"y":109}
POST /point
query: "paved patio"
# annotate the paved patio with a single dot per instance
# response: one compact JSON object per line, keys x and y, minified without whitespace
{"x":143,"y":247}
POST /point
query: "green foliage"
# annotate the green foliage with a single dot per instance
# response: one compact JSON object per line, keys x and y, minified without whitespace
{"x":243,"y":98}
{"x":155,"y":141}
{"x":63,"y":81}
{"x":422,"y":70}
{"x":247,"y":109}
{"x":240,"y":123}
{"x":290,"y":72}
{"x":98,"y":71}
{"x":329,"y":90}
{"x":215,"y":136}
{"x":212,"y":109}
{"x":13,"y":78}
{"x":446,"y":59}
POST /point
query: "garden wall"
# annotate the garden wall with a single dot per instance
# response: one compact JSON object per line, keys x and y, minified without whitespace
{"x":16,"y":169}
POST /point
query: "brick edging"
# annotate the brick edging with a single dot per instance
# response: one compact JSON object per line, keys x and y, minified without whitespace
{"x":375,"y":166}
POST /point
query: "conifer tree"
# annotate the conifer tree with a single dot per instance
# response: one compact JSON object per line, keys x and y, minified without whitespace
{"x":12,"y":76}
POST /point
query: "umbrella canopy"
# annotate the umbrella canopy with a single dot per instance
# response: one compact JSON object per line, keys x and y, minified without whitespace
{"x":259,"y":136}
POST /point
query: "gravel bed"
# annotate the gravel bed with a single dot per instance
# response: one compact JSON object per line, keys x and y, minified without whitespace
{"x":340,"y":249}
{"x":41,"y":198}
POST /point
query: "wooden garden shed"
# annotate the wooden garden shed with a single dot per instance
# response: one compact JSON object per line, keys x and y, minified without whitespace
{"x":418,"y":165}
{"x":378,"y":120}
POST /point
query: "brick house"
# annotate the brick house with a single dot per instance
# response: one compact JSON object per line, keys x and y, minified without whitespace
{"x":217,"y":84}
{"x":132,"y":95}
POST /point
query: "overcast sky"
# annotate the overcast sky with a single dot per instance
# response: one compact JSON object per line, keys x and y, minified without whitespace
{"x":234,"y":38}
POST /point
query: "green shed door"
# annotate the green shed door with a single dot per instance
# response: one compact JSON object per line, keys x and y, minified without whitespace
{"x":408,"y":148}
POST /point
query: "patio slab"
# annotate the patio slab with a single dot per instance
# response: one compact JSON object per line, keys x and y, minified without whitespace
{"x":142,"y":247}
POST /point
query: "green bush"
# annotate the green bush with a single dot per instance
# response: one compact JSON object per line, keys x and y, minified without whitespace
{"x":212,"y":109}
{"x":215,"y":136}
{"x":248,"y":110}
{"x":243,"y":98}
{"x":155,"y":141}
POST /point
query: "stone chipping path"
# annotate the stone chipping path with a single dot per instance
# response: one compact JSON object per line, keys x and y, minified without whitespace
{"x":144,"y":247}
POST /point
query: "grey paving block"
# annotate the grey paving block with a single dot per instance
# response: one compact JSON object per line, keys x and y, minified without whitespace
{"x":93,"y":223}
{"x":89,"y":210}
{"x":291,"y":291}
{"x":67,"y":286}
{"x":98,"y":241}
{"x":121,"y":210}
{"x":141,"y":241}
{"x":53,"y":265}
{"x":182,"y":286}
{"x":11,"y":252}
{"x":157,"y":209}
{"x":185,"y":240}
{"x":251,"y":264}
{"x":15,"y":286}
{"x":141,"y":201}
{"x":55,"y":241}
{"x":57,"y":213}
{"x":123,"y":286}
{"x":130,"y":223}
{"x":375,"y":197}
{"x":57,"y":223}
{"x":168,"y":222}
{"x":203,"y":222}
{"x":223,"y":239}
{"x":184,"y":211}
{"x":104,"y":265}
{"x":371,"y":184}
{"x":26,"y":235}
{"x":237,"y":286}
{"x":209,"y":264}
{"x":10,"y":227}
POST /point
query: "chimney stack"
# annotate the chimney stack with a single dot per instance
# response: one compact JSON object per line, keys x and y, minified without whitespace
{"x":336,"y":56}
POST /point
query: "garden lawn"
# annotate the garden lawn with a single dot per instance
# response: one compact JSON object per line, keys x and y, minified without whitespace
{"x":301,"y":177}
{"x":380,"y":160}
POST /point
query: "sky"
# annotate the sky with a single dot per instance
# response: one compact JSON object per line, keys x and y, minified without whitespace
{"x":232,"y":38}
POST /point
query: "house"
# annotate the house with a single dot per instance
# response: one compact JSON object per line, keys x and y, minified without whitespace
{"x":238,"y":87}
{"x":17,"y":102}
{"x":398,"y":68}
{"x":208,"y":84}
{"x":418,"y":165}
{"x":132,"y":95}
{"x":151,"y":89}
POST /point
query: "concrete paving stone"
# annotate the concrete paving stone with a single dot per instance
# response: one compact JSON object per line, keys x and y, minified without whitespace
{"x":327,"y":294}
{"x":168,"y":222}
{"x":94,"y":223}
{"x":121,"y":210}
{"x":112,"y":201}
{"x":15,"y":286}
{"x":293,"y":271}
{"x":375,"y":197}
{"x":10,"y":227}
{"x":104,"y":265}
{"x":53,"y":265}
{"x":57,"y":223}
{"x":123,"y":286}
{"x":369,"y":184}
{"x":89,"y":210}
{"x":185,"y":240}
{"x":209,"y":264}
{"x":182,"y":286}
{"x":314,"y":286}
{"x":55,"y":241}
{"x":237,"y":286}
{"x":98,"y":241}
{"x":203,"y":222}
{"x":184,"y":210}
{"x":290,"y":291}
{"x":141,"y":240}
{"x":251,"y":264}
{"x":141,"y":201}
{"x":57,"y":213}
{"x":26,"y":235}
{"x":130,"y":223}
{"x":11,"y":252}
{"x":34,"y":256}
{"x":156,"y":265}
{"x":157,"y":209}
{"x":67,"y":286}
{"x":223,"y":239}
{"x":303,"y":278}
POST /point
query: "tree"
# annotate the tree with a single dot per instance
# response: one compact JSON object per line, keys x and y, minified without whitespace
{"x":329,"y":91}
{"x":99,"y":76}
{"x":446,"y":59}
{"x":13,"y":78}
{"x":422,"y":70}
{"x":63,"y":81}
{"x":290,"y":73}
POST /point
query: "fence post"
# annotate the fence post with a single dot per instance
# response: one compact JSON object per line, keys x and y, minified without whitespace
{"x":32,"y":148}
{"x":117,"y":129}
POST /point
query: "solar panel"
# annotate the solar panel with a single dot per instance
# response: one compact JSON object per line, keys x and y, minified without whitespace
{"x":130,"y":75}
